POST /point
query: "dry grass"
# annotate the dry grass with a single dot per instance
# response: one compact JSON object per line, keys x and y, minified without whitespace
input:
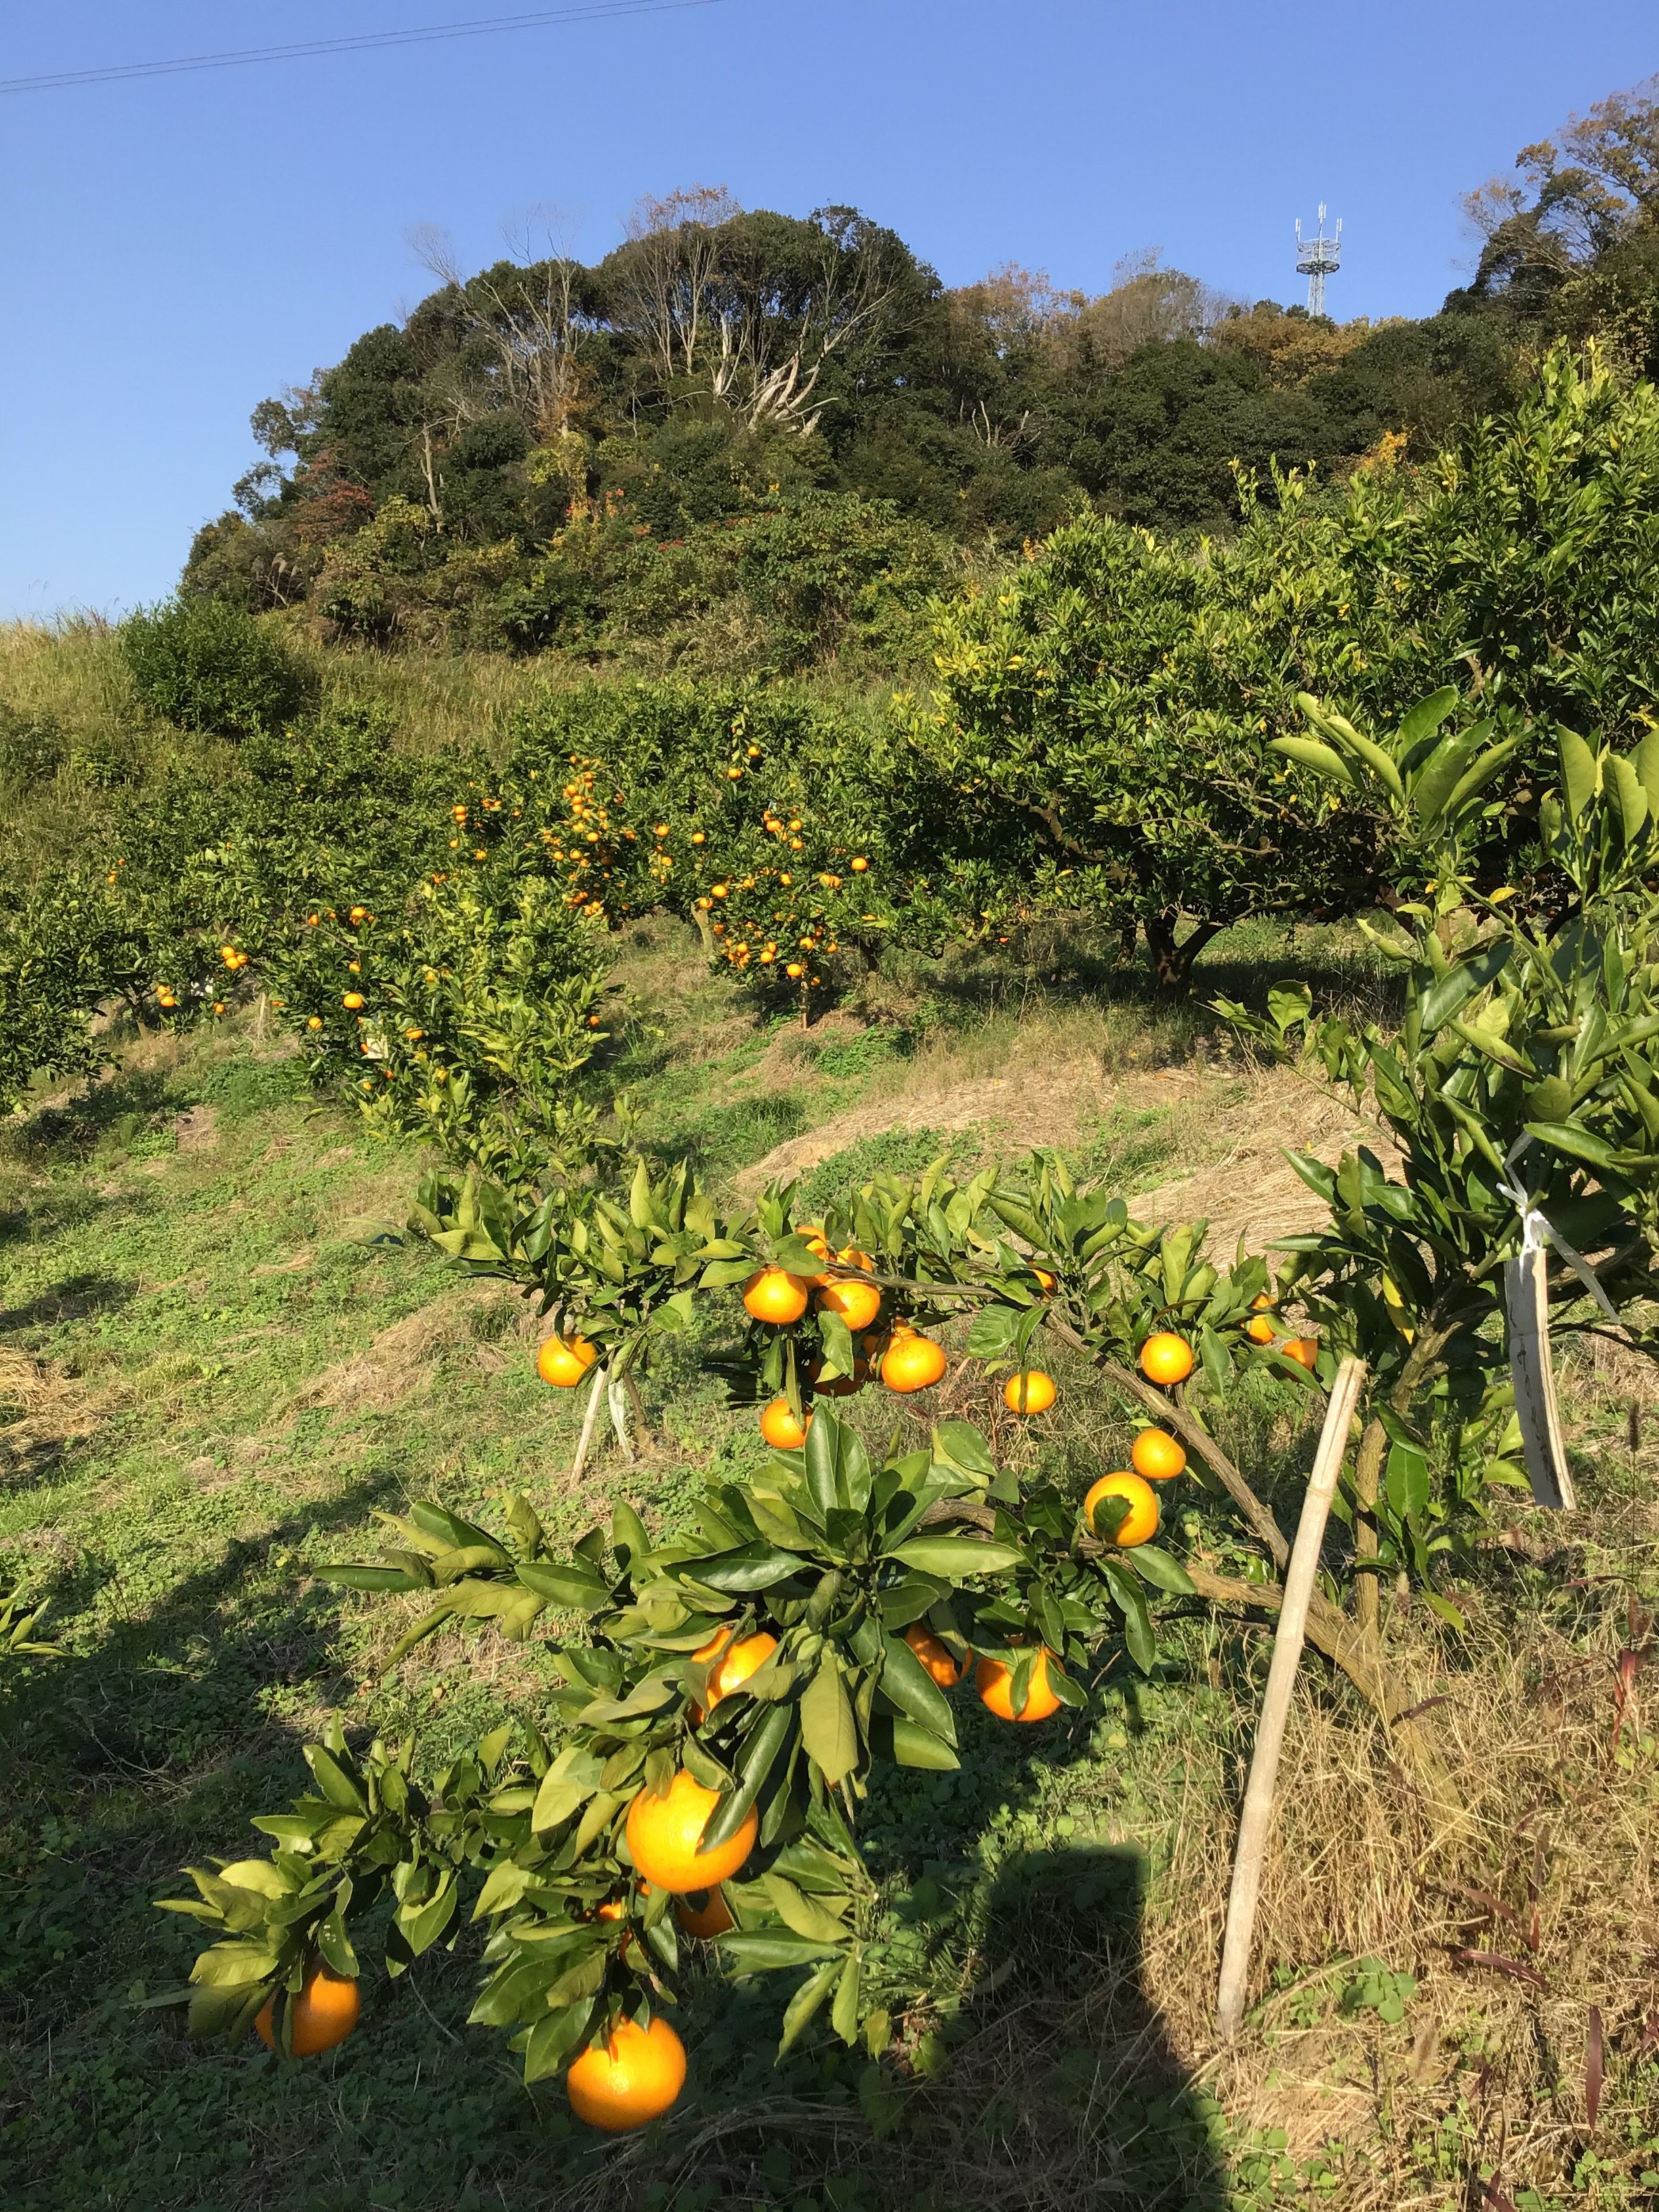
{"x":439,"y":701}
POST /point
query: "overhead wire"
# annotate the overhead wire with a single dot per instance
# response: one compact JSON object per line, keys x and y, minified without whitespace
{"x":363,"y":42}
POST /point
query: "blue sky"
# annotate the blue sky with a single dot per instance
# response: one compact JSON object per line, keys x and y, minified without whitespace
{"x":179,"y":248}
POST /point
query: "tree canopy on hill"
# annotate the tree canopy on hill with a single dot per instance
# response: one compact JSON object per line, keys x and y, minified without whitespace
{"x":550,"y":454}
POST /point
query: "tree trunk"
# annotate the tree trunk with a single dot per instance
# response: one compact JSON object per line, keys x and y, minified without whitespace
{"x":1173,"y":958}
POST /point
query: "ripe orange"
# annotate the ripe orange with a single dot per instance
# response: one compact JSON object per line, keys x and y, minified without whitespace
{"x":912,"y":1362}
{"x":630,"y":2078}
{"x":812,"y":1233}
{"x":935,"y":1657}
{"x":1304,"y":1350}
{"x":325,"y":2013}
{"x":1166,"y":1358}
{"x":705,"y":1921}
{"x":839,"y":1386}
{"x":1033,"y":1392}
{"x":996,"y":1689}
{"x":1157,"y":1456}
{"x":354,"y":999}
{"x":1261,"y":1303}
{"x":741,"y":1661}
{"x":1141,"y":1521}
{"x":1260,"y":1329}
{"x":782,"y":1427}
{"x":772,"y":1294}
{"x":1045,"y":1279}
{"x":563,"y":1360}
{"x":858,"y":1303}
{"x":664,"y":1835}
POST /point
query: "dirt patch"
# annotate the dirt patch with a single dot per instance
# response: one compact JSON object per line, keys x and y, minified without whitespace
{"x":1254,"y":1193}
{"x":1046,"y":1105}
{"x":197,"y":1129}
{"x":402,"y":1362}
{"x":1251,"y":1191}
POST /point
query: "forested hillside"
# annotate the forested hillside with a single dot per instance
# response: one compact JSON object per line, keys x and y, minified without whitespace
{"x":745,"y":439}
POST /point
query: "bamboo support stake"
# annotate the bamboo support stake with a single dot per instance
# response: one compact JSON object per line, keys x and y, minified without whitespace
{"x":1256,"y":1818}
{"x":588,"y":1419}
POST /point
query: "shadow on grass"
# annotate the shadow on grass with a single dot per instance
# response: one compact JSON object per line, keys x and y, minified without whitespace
{"x":71,"y":1299}
{"x":131,"y":1101}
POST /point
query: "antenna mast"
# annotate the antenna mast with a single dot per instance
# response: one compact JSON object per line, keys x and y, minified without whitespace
{"x":1317,"y":258}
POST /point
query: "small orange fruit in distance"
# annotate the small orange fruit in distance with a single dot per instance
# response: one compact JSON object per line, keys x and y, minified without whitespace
{"x":935,"y":1657}
{"x":325,"y":2013}
{"x":352,"y":999}
{"x":858,"y":1303}
{"x":1304,"y":1350}
{"x":1166,"y":1358}
{"x":1157,"y":1456}
{"x":665,"y":1835}
{"x":1261,"y":1303}
{"x":774,"y":1295}
{"x":563,"y":1360}
{"x":707,"y":1920}
{"x":783,"y":1428}
{"x":996,"y":1690}
{"x":1141,"y":1521}
{"x":912,"y":1362}
{"x":1033,"y":1392}
{"x":1260,"y":1329}
{"x":630,"y":2078}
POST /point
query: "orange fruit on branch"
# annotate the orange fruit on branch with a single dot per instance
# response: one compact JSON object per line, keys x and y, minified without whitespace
{"x":741,"y":1661}
{"x":935,"y":1657}
{"x":712,"y":1918}
{"x":1304,"y":1350}
{"x":1033,"y":1392}
{"x":1157,"y":1456}
{"x":772,"y":1294}
{"x":858,"y":1303}
{"x":996,"y":1689}
{"x":325,"y":2013}
{"x":1166,"y":1358}
{"x":1141,"y":1520}
{"x":783,"y":1428}
{"x":630,"y":2078}
{"x":912,"y":1362}
{"x":665,"y":1837}
{"x":1260,"y":1329}
{"x":563,"y":1360}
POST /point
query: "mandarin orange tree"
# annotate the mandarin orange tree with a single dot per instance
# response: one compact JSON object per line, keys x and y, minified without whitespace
{"x":721,"y":1713}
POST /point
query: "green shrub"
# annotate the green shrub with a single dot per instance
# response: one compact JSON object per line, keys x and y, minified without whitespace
{"x":209,"y":666}
{"x":1106,"y":716}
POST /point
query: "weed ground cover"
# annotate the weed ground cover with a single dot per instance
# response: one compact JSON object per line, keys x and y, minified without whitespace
{"x":219,"y":1356}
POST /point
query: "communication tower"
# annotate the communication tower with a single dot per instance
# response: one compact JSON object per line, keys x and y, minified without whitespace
{"x":1317,"y":258}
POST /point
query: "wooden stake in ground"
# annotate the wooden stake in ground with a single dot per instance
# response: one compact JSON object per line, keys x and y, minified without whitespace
{"x":1256,"y":1820}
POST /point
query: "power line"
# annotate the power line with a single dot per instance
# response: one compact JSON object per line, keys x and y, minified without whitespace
{"x":367,"y":41}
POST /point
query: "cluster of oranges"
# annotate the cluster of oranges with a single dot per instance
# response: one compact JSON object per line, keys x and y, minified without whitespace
{"x":905,"y":1359}
{"x":585,"y":849}
{"x":1262,"y":1328}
